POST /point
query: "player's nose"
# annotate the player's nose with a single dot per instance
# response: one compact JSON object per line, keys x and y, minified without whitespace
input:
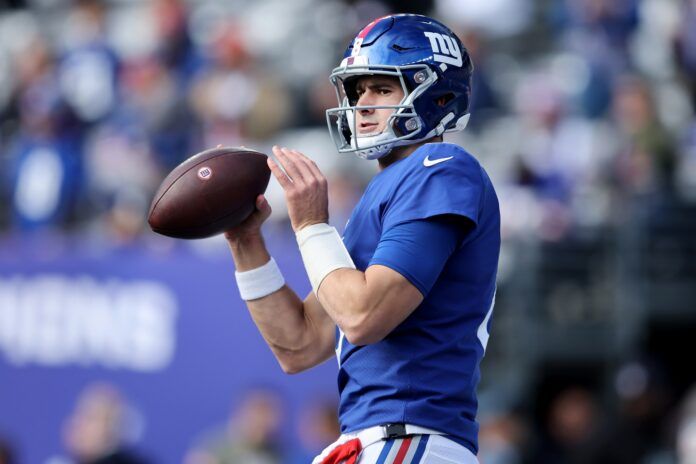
{"x":366,"y":99}
{"x":366,"y":111}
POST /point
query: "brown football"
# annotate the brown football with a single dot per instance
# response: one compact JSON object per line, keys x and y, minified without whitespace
{"x":209,"y":193}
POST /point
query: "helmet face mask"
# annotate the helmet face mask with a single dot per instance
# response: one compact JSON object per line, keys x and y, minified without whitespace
{"x":403,"y":124}
{"x":431,"y":66}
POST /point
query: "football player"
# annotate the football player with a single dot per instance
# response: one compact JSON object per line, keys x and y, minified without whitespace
{"x":405,"y":297}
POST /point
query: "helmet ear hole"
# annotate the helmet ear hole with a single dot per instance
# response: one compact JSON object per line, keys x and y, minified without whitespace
{"x":443,"y":100}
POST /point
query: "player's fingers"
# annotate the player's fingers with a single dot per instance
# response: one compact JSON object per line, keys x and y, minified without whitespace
{"x":310,"y":173}
{"x":289,"y":164}
{"x":263,"y":206}
{"x":279,"y":162}
{"x":278,"y":173}
{"x":311,"y":165}
{"x":261,"y":202}
{"x":300,"y":163}
{"x":299,"y":154}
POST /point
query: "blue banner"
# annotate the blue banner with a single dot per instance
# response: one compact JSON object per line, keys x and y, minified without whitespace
{"x":161,"y":321}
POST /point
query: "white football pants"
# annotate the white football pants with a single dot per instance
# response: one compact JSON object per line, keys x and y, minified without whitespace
{"x":417,"y":449}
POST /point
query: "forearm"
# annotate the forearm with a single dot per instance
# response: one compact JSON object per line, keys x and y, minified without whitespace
{"x":291,"y":335}
{"x":280,"y":316}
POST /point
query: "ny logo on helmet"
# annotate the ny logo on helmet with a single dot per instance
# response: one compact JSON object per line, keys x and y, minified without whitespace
{"x":445,"y":49}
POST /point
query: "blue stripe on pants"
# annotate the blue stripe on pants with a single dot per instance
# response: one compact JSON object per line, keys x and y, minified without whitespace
{"x":421,"y":449}
{"x":385,"y":452}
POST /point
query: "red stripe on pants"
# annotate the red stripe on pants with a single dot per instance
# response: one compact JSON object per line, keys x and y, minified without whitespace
{"x":399,"y":459}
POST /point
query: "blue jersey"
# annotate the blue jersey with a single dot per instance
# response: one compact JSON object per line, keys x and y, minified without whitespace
{"x":425,"y":372}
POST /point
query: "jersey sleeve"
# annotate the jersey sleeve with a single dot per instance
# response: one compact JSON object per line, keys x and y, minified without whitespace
{"x":452,"y":186}
{"x":418,"y":250}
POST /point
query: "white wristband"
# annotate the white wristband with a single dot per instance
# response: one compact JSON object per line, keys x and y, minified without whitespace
{"x":259,"y":282}
{"x":322,"y":251}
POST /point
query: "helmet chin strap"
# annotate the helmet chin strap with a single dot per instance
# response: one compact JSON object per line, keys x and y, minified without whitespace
{"x":377,"y":150}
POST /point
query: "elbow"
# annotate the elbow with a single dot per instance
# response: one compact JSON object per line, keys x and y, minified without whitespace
{"x":361,"y":331}
{"x":291,"y":368}
{"x":292,"y":365}
{"x":361,"y":338}
{"x":294,"y":361}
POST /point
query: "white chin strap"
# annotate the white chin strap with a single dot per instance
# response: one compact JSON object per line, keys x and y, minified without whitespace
{"x":381,"y":144}
{"x":376,"y":150}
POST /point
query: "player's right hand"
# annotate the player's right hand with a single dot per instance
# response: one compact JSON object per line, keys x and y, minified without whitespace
{"x":305,"y":187}
{"x":251,"y":227}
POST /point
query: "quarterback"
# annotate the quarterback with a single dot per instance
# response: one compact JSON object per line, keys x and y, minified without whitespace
{"x":404,"y":299}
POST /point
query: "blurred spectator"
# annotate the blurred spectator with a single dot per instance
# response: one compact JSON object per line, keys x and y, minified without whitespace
{"x":315,"y":98}
{"x":88,"y":71}
{"x":638,"y":435}
{"x":250,"y":436}
{"x":646,"y":157}
{"x":572,"y":429}
{"x":686,"y":173}
{"x":560,"y":156}
{"x":597,"y":31}
{"x":175,"y":47}
{"x":484,"y":102}
{"x":154,"y":113}
{"x":45,"y":155}
{"x":98,"y":430}
{"x":609,"y":21}
{"x":233,"y":99}
{"x":502,"y":438}
{"x":318,"y":427}
{"x":156,"y":87}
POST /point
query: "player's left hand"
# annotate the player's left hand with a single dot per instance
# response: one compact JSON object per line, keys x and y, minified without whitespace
{"x":306,"y":189}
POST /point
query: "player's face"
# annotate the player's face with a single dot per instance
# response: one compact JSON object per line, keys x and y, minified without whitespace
{"x":376,"y":91}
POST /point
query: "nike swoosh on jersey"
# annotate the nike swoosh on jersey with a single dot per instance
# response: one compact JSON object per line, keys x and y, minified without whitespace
{"x":427,"y":162}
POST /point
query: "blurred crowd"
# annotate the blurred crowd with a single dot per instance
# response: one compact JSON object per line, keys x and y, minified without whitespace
{"x":578,"y":105}
{"x":105,"y":428}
